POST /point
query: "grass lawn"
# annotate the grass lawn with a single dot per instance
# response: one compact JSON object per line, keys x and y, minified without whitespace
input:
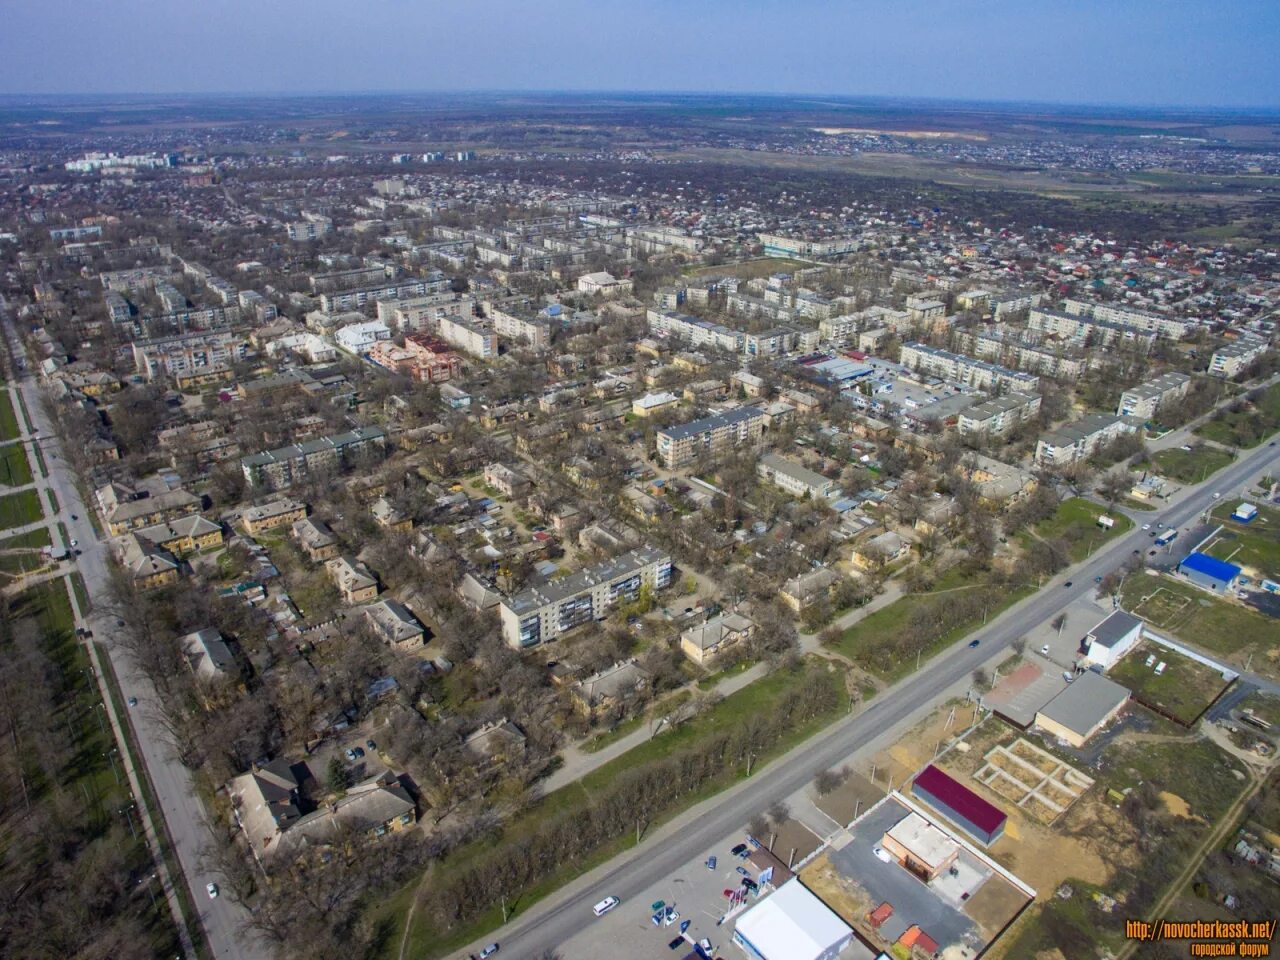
{"x":32,"y":541}
{"x":1183,"y":691}
{"x":750,"y":269}
{"x":424,"y":941}
{"x":19,"y":509}
{"x":1255,"y":545}
{"x":1191,"y":466}
{"x":1247,"y":426}
{"x":860,"y":641}
{"x":1196,"y":616}
{"x":8,"y":419}
{"x":15,"y":471}
{"x":1076,"y":520}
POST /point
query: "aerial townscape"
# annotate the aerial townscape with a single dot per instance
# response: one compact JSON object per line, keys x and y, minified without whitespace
{"x":831,"y":526}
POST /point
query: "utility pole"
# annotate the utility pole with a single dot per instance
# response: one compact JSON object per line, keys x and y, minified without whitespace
{"x":504,"y":908}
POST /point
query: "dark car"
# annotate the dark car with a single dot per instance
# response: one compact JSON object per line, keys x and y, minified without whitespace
{"x":750,"y":884}
{"x":676,"y":944}
{"x":740,"y":850}
{"x":974,"y":643}
{"x":371,"y":745}
{"x":1067,"y":584}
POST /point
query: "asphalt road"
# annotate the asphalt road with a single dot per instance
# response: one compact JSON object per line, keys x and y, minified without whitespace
{"x":555,"y":919}
{"x":222,"y":919}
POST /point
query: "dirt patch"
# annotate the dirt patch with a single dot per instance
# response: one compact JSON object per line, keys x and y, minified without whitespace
{"x":993,"y":905}
{"x":1176,"y":805}
{"x":853,"y":797}
{"x":841,"y":895}
{"x":793,"y":841}
{"x":918,"y":747}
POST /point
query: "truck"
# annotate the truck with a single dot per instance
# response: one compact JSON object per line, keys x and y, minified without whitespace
{"x":1166,"y":538}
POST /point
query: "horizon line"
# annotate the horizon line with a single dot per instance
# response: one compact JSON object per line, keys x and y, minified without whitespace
{"x":709,"y":94}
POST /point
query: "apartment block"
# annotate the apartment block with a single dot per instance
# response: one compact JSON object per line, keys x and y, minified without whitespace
{"x":1171,"y":327}
{"x":189,"y":354}
{"x":544,"y":613}
{"x":680,"y":444}
{"x":1143,"y":400}
{"x":1233,"y":358}
{"x":1086,"y":330}
{"x":973,"y":373}
{"x":999,"y":415}
{"x":278,"y":469}
{"x":794,"y":479}
{"x":535,"y":330}
{"x":699,"y":333}
{"x":340,"y":300}
{"x":468,"y":336}
{"x":1080,"y":440}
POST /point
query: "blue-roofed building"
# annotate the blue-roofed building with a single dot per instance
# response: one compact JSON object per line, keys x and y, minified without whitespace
{"x":1209,"y":573}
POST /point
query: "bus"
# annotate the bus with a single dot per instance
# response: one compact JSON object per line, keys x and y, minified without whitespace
{"x":1166,"y":538}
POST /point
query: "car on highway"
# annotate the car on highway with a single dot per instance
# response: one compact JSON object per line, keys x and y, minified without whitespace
{"x":74,"y":517}
{"x":212,"y":890}
{"x":133,"y":701}
{"x":605,"y":905}
{"x":1067,"y":584}
{"x":1217,"y":496}
{"x":488,"y":951}
{"x":1097,"y":579}
{"x":1146,"y":526}
{"x":881,"y":854}
{"x":973,"y":643}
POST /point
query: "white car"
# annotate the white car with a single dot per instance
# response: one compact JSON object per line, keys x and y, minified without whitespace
{"x":605,"y":905}
{"x":881,"y":854}
{"x":1045,"y":649}
{"x":75,"y":543}
{"x":212,"y":889}
{"x":1217,"y":496}
{"x":1146,"y":526}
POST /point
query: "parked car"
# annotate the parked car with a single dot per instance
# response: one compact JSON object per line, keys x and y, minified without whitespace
{"x":657,"y":919}
{"x":1146,"y":526}
{"x":711,"y":863}
{"x":671,"y":916}
{"x":750,"y":884}
{"x":676,"y":944}
{"x":740,"y":850}
{"x":729,"y":893}
{"x":743,"y":871}
{"x":488,"y":951}
{"x":212,"y":890}
{"x":881,"y":854}
{"x":133,"y":701}
{"x":371,"y":745}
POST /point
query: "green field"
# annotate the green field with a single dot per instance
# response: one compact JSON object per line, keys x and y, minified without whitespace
{"x":1194,"y":465}
{"x":1208,"y":622}
{"x":1076,"y":521}
{"x":19,"y":509}
{"x":864,"y":642}
{"x":8,"y":419}
{"x":751,"y":269}
{"x":1247,"y":426}
{"x":1254,"y":545}
{"x":1185,"y":689}
{"x":725,"y":718}
{"x":15,"y":471}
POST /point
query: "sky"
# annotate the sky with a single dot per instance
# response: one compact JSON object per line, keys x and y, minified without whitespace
{"x":1141,"y":52}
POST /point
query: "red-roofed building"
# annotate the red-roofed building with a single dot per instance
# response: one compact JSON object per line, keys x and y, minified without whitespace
{"x":959,"y":804}
{"x":913,"y":936}
{"x":433,"y":359}
{"x":880,"y":914}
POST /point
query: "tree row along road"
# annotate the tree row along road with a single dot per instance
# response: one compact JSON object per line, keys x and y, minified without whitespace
{"x":558,"y":917}
{"x":225,"y":923}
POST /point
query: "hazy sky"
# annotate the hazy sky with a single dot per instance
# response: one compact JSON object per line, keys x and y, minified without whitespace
{"x":1174,"y":52}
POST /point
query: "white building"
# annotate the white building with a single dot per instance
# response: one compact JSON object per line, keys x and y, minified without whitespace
{"x":1231,"y":359}
{"x":1143,"y":400}
{"x":1108,"y":642}
{"x":793,"y":924}
{"x":357,"y":338}
{"x":605,"y":284}
{"x":1079,"y":440}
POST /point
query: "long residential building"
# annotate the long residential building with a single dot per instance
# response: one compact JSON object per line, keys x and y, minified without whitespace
{"x":1143,"y":400}
{"x":358,"y":299}
{"x":278,"y":469}
{"x":796,"y":480}
{"x":189,"y":354}
{"x":1087,"y":331}
{"x":1171,"y":327}
{"x":685,"y":442}
{"x":1079,"y":440}
{"x":999,"y":415}
{"x":1031,"y":357}
{"x":698,"y":332}
{"x":973,"y":373}
{"x":545,"y":612}
{"x":1233,"y":358}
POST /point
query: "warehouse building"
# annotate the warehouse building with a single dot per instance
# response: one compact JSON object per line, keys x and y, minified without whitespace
{"x":1082,"y":709}
{"x":960,"y":805}
{"x":793,"y":924}
{"x":1209,"y":573}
